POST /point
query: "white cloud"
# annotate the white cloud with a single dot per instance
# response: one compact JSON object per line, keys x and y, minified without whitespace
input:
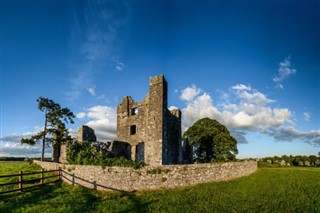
{"x":202,"y":106}
{"x":242,"y":109}
{"x":241,"y":87}
{"x":103,"y":120}
{"x":245,"y":109}
{"x":291,"y":134}
{"x":13,"y":149}
{"x":189,"y":93}
{"x":11,"y":146}
{"x":248,"y":111}
{"x":306,"y":116}
{"x":173,"y":107}
{"x":285,"y":71}
{"x":119,"y":66}
{"x":81,"y":115}
{"x":92,"y":90}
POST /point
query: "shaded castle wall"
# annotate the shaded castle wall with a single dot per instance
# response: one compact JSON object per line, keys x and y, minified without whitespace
{"x":172,"y":133}
{"x":86,"y":133}
{"x":120,"y":149}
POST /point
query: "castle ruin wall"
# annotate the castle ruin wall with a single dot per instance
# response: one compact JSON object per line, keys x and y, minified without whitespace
{"x":150,"y":177}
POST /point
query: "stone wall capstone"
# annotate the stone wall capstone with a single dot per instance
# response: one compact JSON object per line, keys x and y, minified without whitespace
{"x":150,"y":177}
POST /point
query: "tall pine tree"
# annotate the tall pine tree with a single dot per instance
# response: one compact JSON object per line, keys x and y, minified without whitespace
{"x":55,"y":118}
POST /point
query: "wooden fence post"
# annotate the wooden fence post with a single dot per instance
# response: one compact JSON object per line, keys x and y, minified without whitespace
{"x":60,"y":173}
{"x":42,"y":176}
{"x":20,"y":180}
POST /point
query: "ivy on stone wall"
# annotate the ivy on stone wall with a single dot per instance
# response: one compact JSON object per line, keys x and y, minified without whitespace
{"x":89,"y":153}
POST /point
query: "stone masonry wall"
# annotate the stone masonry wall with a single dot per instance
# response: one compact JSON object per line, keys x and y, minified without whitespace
{"x":150,"y":177}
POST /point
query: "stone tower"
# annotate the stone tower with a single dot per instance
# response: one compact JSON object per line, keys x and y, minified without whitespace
{"x":153,"y":131}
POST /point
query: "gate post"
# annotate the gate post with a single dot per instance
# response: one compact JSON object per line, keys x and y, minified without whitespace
{"x":42,"y":176}
{"x":60,"y":173}
{"x":20,"y":180}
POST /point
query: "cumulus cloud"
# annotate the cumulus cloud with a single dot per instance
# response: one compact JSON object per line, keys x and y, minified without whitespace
{"x":242,"y":109}
{"x":173,"y":107}
{"x":246,"y":109}
{"x":306,"y":116}
{"x":189,"y":93}
{"x":285,"y":71}
{"x":103,"y":120}
{"x":202,"y":106}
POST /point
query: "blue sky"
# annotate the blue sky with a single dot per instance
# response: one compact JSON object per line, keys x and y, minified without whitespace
{"x":252,"y":65}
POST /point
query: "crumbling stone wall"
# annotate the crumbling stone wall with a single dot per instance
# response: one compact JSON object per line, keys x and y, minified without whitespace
{"x":86,"y":133}
{"x":153,"y":131}
{"x":56,"y":151}
{"x":119,"y":149}
{"x":150,"y":177}
{"x":59,"y":151}
{"x":63,"y":153}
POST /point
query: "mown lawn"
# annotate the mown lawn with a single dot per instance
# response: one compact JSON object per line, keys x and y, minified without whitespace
{"x":267,"y":190}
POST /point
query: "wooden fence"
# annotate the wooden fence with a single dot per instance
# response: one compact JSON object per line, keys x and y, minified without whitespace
{"x":22,"y":181}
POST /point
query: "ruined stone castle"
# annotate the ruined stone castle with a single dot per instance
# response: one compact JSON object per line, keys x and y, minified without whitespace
{"x":147,"y":131}
{"x":153,"y":131}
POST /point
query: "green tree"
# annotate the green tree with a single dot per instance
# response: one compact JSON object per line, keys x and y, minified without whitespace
{"x":313,"y":159}
{"x":211,"y":140}
{"x":55,"y":118}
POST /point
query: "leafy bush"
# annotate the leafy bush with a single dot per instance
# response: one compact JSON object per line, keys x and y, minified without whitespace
{"x":97,"y":153}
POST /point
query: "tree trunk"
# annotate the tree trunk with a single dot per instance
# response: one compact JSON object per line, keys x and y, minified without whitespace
{"x":44,"y":137}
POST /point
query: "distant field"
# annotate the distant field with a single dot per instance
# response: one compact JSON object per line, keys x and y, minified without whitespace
{"x":9,"y":167}
{"x":267,"y":190}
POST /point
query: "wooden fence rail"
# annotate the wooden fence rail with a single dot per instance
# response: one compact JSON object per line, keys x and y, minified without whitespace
{"x":22,"y":181}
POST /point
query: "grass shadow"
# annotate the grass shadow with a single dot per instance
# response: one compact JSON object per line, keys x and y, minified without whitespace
{"x":137,"y":203}
{"x":16,"y":200}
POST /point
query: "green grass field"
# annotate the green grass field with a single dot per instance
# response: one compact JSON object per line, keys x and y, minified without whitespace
{"x":14,"y":167}
{"x":267,"y":190}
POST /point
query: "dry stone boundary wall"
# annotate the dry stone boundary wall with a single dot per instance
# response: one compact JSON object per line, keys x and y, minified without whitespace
{"x":150,"y":177}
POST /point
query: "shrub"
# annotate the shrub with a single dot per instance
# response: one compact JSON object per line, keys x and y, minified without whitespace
{"x":87,"y":153}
